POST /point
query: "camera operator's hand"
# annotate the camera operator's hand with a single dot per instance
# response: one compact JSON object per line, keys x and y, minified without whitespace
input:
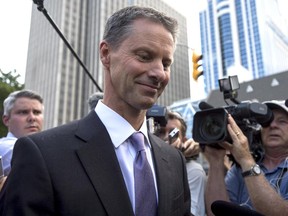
{"x":240,"y":146}
{"x":177,"y":143}
{"x":190,"y":148}
{"x":215,"y":156}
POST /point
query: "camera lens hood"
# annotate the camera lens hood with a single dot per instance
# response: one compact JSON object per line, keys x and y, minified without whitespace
{"x":210,"y":126}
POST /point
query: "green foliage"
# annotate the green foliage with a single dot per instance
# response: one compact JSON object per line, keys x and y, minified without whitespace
{"x":8,"y":84}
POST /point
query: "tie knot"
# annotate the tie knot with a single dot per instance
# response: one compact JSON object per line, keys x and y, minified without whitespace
{"x":137,"y":140}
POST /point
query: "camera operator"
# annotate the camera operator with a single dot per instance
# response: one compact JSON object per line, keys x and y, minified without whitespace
{"x":262,"y":186}
{"x":190,"y":149}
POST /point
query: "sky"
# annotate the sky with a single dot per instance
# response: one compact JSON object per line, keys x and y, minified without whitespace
{"x":15,"y":17}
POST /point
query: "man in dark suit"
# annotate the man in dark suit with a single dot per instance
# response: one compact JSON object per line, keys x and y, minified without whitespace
{"x":86,"y":167}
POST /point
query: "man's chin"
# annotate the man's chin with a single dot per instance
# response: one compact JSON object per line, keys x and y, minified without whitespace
{"x":145,"y":102}
{"x":147,"y":105}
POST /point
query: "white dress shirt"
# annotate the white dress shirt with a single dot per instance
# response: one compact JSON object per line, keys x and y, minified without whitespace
{"x":197,"y":182}
{"x":6,"y":150}
{"x":120,"y":130}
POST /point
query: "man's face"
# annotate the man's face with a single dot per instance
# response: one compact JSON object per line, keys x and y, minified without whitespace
{"x":25,"y":118}
{"x":276,"y":134}
{"x":139,"y":70}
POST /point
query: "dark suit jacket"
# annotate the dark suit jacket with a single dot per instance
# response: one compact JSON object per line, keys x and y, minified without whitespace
{"x":73,"y":170}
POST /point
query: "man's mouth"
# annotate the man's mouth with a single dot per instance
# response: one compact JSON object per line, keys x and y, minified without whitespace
{"x":274,"y":135}
{"x":151,"y":86}
{"x":32,"y":127}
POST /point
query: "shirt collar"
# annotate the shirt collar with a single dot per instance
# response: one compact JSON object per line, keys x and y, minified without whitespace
{"x":118,"y":128}
{"x":10,"y":135}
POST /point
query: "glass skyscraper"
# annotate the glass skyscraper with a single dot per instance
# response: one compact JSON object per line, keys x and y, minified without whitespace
{"x":247,"y":38}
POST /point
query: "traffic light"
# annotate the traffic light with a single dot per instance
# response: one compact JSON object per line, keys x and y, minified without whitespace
{"x":197,"y":63}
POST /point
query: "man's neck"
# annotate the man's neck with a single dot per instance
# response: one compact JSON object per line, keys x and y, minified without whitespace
{"x":272,"y":161}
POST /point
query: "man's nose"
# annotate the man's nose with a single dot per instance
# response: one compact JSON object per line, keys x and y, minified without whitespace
{"x":157,"y":71}
{"x":31,"y":117}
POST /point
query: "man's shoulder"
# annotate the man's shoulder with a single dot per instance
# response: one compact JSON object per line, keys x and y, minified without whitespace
{"x":57,"y":130}
{"x":165,"y":148}
{"x":156,"y":140}
{"x":68,"y":127}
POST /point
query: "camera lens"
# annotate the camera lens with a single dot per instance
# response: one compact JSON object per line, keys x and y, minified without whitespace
{"x":209,"y":126}
{"x":212,"y":128}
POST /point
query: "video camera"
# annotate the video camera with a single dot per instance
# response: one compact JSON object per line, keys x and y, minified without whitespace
{"x":210,"y":124}
{"x":156,"y":117}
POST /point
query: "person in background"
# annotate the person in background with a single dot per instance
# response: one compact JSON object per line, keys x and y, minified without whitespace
{"x":190,"y":149}
{"x":93,"y":99}
{"x":22,"y":115}
{"x":262,"y":185}
{"x":87,"y":167}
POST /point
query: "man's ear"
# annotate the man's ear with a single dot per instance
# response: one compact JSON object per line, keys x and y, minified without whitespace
{"x":105,"y":54}
{"x":5,"y":120}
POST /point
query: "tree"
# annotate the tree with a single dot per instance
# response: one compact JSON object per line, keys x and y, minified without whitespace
{"x":8,"y":84}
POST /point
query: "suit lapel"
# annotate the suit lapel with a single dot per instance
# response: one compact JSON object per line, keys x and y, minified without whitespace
{"x":101,"y":164}
{"x":161,"y":163}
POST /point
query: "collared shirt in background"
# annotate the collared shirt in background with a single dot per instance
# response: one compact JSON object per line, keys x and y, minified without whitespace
{"x":6,"y":151}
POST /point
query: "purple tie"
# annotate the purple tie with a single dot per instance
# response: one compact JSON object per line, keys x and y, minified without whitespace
{"x":145,"y":193}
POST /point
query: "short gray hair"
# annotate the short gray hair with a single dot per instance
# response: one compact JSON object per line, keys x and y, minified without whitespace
{"x":93,"y":99}
{"x":9,"y":102}
{"x":118,"y":26}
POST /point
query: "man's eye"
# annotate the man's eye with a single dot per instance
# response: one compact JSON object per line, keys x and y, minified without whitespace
{"x":22,"y":112}
{"x":144,"y":57}
{"x":166,"y":66}
{"x":283,"y":121}
{"x":37,"y":112}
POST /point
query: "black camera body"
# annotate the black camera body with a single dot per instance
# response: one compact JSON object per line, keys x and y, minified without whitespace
{"x":210,"y":125}
{"x":156,"y":118}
